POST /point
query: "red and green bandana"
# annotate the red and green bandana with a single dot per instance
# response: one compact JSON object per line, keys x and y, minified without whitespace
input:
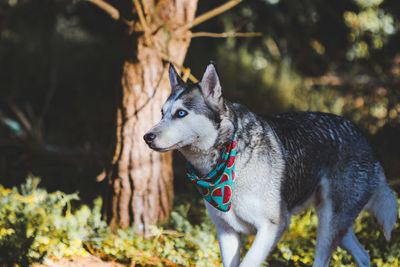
{"x":217,"y":186}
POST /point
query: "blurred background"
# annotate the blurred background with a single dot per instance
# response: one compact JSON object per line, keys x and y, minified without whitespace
{"x":61,"y":63}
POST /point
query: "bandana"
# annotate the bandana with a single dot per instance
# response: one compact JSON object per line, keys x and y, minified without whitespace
{"x":217,"y":186}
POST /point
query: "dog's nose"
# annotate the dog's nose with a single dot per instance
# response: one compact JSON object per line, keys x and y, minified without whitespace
{"x":149,"y":137}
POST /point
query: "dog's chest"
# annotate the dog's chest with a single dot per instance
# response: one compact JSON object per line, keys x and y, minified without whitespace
{"x":256,"y":198}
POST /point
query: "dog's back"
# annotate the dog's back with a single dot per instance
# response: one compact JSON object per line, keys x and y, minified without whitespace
{"x":325,"y":146}
{"x":319,"y":145}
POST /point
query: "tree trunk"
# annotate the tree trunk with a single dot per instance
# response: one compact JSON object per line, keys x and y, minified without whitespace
{"x":139,"y":185}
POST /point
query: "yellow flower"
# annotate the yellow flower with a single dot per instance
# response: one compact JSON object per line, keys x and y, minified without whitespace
{"x":4,"y":231}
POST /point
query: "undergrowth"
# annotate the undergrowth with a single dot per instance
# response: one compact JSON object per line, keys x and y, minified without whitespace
{"x":36,"y":225}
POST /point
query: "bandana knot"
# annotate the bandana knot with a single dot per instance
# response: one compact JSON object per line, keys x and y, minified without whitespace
{"x":217,"y":186}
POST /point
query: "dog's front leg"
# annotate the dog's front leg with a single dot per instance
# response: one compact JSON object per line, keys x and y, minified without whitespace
{"x":262,"y":245}
{"x":229,"y":244}
{"x":228,"y":238}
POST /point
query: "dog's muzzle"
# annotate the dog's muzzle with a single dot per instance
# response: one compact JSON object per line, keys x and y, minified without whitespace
{"x":149,"y":138}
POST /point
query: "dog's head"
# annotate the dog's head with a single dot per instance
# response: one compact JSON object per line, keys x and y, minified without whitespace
{"x":191,"y":114}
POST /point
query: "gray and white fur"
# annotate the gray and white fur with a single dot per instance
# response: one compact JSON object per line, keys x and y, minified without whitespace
{"x":283,"y":163}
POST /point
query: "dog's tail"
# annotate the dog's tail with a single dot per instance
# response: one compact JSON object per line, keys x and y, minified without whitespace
{"x":383,"y":205}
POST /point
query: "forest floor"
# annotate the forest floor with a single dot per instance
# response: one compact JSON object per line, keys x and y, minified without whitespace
{"x":79,"y":262}
{"x":97,"y":262}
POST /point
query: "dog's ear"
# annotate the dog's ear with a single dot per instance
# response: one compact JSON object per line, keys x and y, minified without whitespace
{"x":174,"y":77}
{"x":210,"y":86}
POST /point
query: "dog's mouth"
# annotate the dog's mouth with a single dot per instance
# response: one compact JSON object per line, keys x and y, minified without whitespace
{"x":160,"y":149}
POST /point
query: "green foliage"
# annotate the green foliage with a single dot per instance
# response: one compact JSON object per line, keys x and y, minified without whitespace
{"x":188,"y":245}
{"x":339,"y":57}
{"x":15,"y":244}
{"x":371,"y":25}
{"x":35,"y":225}
{"x":32,"y":221}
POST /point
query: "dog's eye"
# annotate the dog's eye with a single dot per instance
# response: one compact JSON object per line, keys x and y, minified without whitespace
{"x":181,"y":113}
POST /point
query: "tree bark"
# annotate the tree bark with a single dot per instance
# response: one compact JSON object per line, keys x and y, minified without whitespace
{"x":139,"y":181}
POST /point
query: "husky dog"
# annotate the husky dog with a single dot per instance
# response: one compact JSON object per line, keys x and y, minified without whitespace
{"x":282,"y":163}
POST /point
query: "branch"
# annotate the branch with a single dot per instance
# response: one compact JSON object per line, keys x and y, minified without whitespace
{"x":22,"y":118}
{"x":187,"y":74}
{"x":12,"y":124}
{"x":146,"y":29}
{"x":109,"y":9}
{"x":226,"y":34}
{"x":212,"y":13}
{"x":186,"y":71}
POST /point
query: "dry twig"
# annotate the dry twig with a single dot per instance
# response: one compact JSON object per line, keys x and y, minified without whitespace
{"x":225,"y":34}
{"x":179,"y":66}
{"x":212,"y":13}
{"x":109,"y":9}
{"x":22,"y":118}
{"x":146,"y":29}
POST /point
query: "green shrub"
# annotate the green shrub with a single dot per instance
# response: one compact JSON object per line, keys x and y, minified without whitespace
{"x":35,"y":225}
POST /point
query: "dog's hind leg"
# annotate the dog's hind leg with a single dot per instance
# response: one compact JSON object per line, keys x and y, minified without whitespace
{"x":351,"y":244}
{"x":325,"y":236}
{"x":332,"y":226}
